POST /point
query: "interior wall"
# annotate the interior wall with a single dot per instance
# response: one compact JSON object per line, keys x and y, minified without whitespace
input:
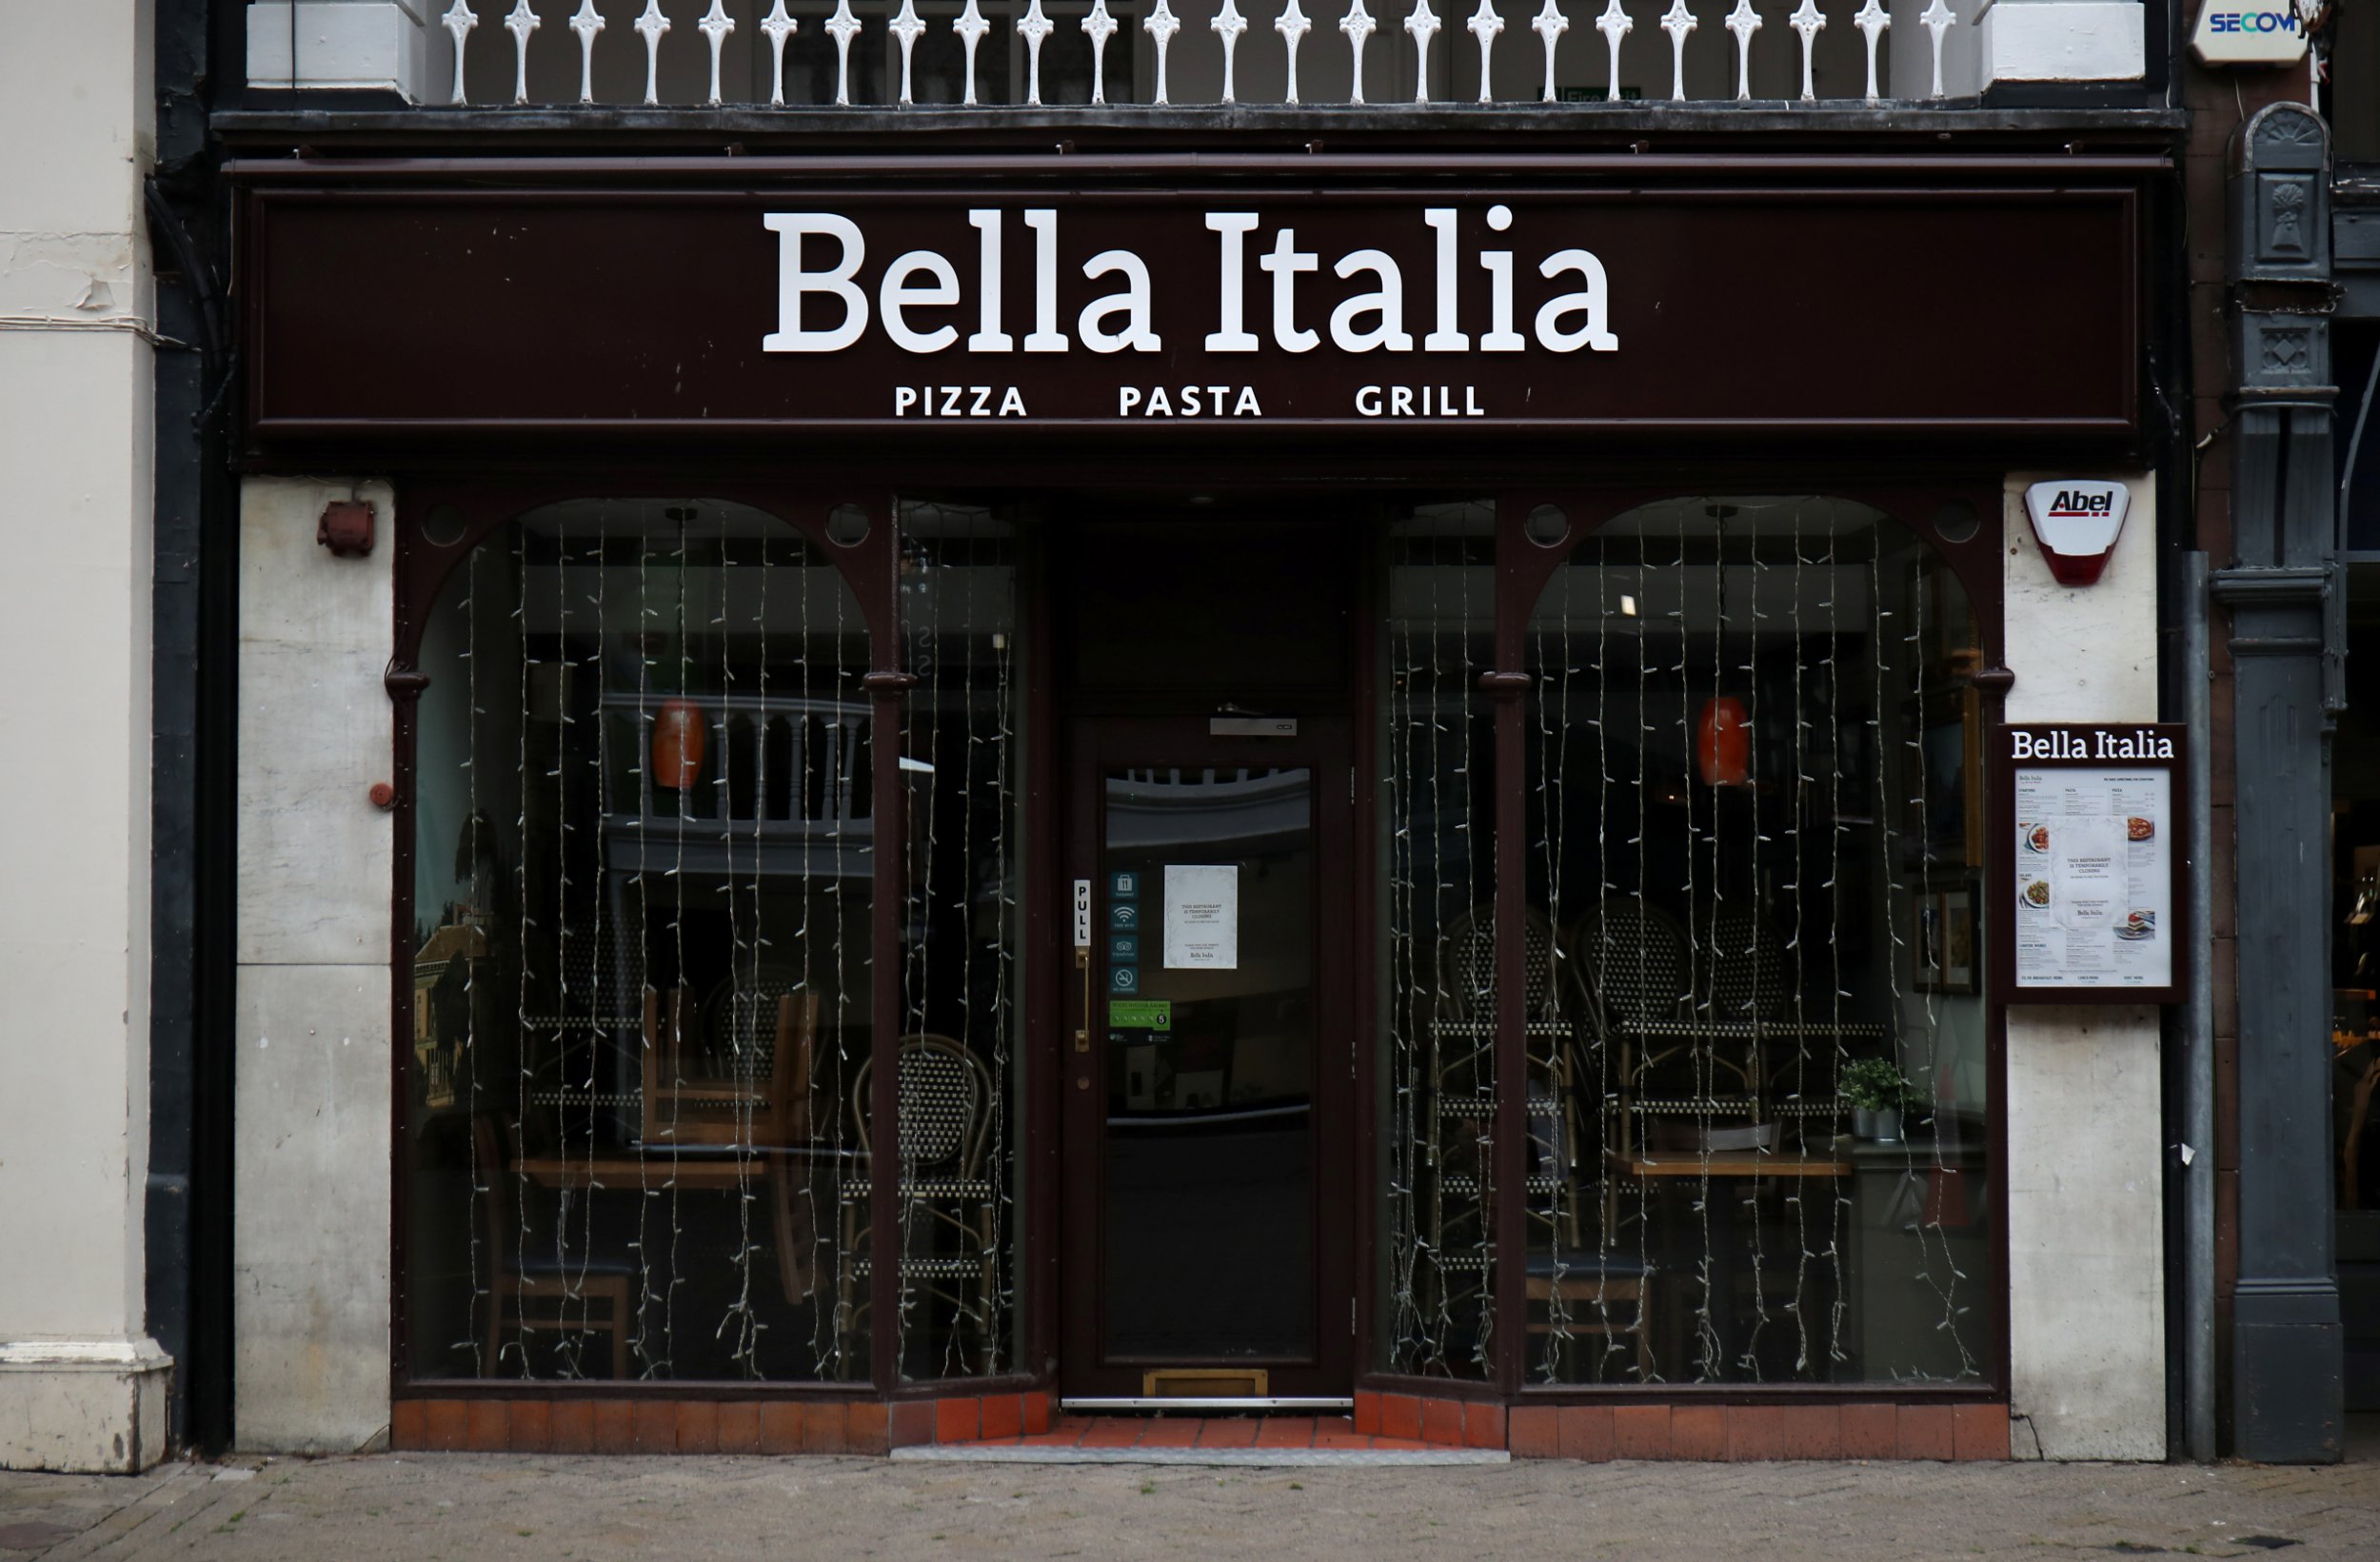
{"x":310,"y":1279}
{"x":2085,"y":1107}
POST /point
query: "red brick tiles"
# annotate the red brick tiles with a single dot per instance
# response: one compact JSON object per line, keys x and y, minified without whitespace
{"x":1671,"y":1430}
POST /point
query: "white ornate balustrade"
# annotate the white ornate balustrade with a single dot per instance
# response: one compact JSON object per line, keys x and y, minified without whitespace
{"x":1180,"y":54}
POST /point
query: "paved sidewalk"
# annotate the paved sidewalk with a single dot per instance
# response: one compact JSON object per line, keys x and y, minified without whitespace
{"x":461,"y":1508}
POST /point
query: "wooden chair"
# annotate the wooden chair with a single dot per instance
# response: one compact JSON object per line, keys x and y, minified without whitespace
{"x":945,"y":1096}
{"x":1580,"y":1292}
{"x":748,"y":1090}
{"x":749,"y":1085}
{"x":521,"y":1283}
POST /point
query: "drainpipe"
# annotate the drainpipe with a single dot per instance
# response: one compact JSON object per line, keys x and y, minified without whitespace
{"x":2198,"y":1391}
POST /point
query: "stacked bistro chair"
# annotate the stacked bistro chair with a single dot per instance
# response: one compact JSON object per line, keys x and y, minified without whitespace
{"x":1751,"y":987}
{"x":1572,"y":1283}
{"x":948,"y":1198}
{"x":1632,"y":983}
{"x":1459,"y":1133}
{"x":1632,"y":960}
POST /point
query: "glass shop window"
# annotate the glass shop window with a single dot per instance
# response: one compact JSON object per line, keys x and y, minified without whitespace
{"x":961,"y":1054}
{"x":643,"y":854}
{"x":1437,"y":942}
{"x":1750,"y":927}
{"x":1753,"y":958}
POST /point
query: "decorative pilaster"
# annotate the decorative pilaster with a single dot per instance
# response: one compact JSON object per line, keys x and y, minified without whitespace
{"x":2283,"y":596}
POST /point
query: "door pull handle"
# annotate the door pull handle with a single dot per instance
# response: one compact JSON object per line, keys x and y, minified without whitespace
{"x":1082,"y":1032}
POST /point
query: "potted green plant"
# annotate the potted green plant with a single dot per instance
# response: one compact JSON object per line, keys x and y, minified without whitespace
{"x":1876,"y":1090}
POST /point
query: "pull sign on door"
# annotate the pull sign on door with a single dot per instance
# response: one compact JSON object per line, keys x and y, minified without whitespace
{"x":1082,"y":913}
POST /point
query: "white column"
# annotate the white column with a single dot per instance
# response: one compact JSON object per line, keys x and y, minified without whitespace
{"x":383,"y":44}
{"x":2085,"y":1113}
{"x":2062,"y":41}
{"x":311,"y":1211}
{"x":82,"y":1387}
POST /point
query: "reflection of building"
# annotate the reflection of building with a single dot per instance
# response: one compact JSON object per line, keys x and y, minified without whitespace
{"x":441,"y":970}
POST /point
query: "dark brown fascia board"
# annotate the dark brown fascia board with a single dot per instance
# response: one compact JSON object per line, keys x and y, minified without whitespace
{"x":550,"y":131}
{"x":495,"y":168}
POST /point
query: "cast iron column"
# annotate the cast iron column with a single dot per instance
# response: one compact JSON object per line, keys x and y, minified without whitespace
{"x":2284,"y":601}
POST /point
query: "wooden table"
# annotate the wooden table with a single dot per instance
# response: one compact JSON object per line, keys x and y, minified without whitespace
{"x":1728,"y":1163}
{"x":694,"y":1172}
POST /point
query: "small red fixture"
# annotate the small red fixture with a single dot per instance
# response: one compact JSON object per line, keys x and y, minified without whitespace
{"x":679,"y":738}
{"x":1723,"y":742}
{"x":384,"y":794}
{"x":345,"y":528}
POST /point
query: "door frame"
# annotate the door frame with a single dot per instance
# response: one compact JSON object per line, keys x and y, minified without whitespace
{"x":1094,"y":744}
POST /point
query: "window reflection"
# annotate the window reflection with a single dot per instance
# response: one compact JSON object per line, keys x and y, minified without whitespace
{"x":643,"y":848}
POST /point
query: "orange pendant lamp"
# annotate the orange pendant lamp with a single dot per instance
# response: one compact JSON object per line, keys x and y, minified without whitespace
{"x":680,"y":737}
{"x":1723,"y":742}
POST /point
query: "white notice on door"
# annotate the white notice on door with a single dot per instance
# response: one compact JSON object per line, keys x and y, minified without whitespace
{"x":1202,"y":918}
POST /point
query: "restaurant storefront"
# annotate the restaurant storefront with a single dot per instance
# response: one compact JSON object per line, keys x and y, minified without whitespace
{"x":1240,"y":784}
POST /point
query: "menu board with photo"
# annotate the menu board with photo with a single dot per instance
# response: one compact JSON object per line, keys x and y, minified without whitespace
{"x":2089,"y":816}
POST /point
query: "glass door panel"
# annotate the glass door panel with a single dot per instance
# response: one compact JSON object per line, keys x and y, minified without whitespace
{"x":1206,"y":965}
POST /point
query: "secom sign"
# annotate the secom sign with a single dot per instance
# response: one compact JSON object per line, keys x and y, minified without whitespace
{"x":2231,"y":33}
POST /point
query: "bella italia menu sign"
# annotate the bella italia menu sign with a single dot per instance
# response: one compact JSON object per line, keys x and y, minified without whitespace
{"x":2089,"y":816}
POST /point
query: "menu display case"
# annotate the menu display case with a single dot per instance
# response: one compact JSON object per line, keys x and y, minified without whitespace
{"x":2087,"y":842}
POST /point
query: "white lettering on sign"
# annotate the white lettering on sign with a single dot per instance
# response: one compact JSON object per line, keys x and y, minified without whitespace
{"x":956,"y":401}
{"x":920,"y":297}
{"x":2101,"y":743}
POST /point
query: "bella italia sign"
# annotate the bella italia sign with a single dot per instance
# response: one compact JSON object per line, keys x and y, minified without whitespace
{"x":1168,"y":305}
{"x":919,"y":295}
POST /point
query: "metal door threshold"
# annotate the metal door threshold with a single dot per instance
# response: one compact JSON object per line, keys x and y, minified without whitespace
{"x":1345,"y":1458}
{"x":1248,"y":1404}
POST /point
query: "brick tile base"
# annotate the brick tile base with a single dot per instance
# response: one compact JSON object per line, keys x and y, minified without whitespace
{"x":1679,"y":1430}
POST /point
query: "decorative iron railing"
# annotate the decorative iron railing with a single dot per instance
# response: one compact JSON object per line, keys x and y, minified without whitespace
{"x":1273,"y":52}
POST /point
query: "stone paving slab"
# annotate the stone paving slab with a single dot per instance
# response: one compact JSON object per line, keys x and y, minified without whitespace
{"x":462,"y":1508}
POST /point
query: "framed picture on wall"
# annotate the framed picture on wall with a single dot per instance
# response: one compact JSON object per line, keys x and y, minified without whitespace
{"x":1946,"y":954}
{"x":1944,"y":780}
{"x":1946,"y":792}
{"x":1926,"y":948}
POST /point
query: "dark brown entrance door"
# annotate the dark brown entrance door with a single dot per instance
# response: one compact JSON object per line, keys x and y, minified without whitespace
{"x":1208,"y":1045}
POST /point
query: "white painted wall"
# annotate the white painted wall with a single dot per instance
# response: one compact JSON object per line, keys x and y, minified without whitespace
{"x":2085,"y":1114}
{"x":2062,"y":40}
{"x":81,"y":1385}
{"x":343,"y":44}
{"x":310,"y":1282}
